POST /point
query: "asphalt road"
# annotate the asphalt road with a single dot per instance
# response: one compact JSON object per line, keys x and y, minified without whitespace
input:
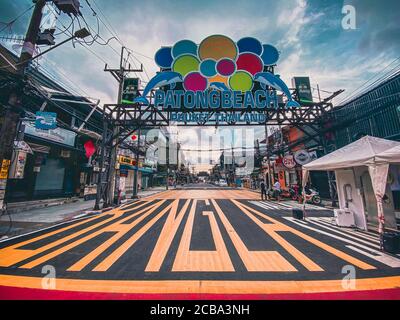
{"x":200,"y":240}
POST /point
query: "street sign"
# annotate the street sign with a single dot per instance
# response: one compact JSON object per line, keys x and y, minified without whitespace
{"x":288,"y":161}
{"x":302,"y":157}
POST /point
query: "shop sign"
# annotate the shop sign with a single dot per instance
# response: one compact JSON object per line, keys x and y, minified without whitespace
{"x":58,"y":135}
{"x":123,"y":172}
{"x":46,"y":120}
{"x":4,"y":169}
{"x":126,"y":160}
{"x":302,"y":157}
{"x":18,"y":165}
{"x":65,"y":153}
{"x":288,"y":161}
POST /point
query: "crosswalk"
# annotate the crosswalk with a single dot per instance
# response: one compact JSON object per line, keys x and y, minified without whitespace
{"x":365,"y":243}
{"x":286,"y":205}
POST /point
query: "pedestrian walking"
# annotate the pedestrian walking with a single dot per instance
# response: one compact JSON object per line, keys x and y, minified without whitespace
{"x":263,"y":191}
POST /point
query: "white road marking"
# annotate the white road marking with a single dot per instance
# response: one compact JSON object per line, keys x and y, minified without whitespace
{"x":383,"y":258}
{"x":345,"y":234}
{"x":349,"y":231}
{"x":380,"y":256}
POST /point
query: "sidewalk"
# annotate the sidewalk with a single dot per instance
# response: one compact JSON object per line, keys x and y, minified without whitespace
{"x":37,"y":218}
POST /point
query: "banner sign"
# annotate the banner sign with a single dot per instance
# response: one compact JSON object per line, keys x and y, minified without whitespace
{"x":216,"y":74}
{"x":130,"y":89}
{"x":46,"y":120}
{"x":57,"y":135}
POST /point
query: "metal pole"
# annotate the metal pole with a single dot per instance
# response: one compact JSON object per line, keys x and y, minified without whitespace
{"x":100,"y":179}
{"x":113,"y":153}
{"x":136,"y":172}
{"x":167,"y":150}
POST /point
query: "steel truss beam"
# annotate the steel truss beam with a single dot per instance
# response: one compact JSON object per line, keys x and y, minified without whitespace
{"x":135,"y":115}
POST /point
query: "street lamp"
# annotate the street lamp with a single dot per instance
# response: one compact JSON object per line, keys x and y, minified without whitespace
{"x":81,"y":34}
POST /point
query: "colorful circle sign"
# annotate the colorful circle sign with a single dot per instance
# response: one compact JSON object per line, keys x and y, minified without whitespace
{"x":194,"y":81}
{"x":217,"y":47}
{"x":217,"y":61}
{"x":218,"y":78}
{"x":163,"y":57}
{"x":241,"y":81}
{"x":249,"y":44}
{"x":184,"y":47}
{"x":270,"y":55}
{"x":226,"y":67}
{"x":208,"y":68}
{"x":185,"y":64}
{"x":250,"y":62}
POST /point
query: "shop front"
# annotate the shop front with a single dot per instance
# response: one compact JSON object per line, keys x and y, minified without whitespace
{"x":50,"y":169}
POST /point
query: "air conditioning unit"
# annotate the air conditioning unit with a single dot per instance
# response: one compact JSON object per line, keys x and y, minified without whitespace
{"x":68,"y":6}
{"x":344,"y":218}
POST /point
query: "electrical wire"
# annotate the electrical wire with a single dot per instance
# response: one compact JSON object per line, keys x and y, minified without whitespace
{"x":363,"y":87}
{"x":9,"y":24}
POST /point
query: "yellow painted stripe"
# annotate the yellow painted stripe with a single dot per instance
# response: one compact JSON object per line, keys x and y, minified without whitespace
{"x":203,"y":286}
{"x":271,"y":229}
{"x":121,"y":230}
{"x":340,"y":254}
{"x":117,"y":253}
{"x":254,"y":260}
{"x":201,"y":260}
{"x":164,"y":241}
{"x":40,"y":260}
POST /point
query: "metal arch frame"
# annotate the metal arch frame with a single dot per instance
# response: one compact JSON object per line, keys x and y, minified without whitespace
{"x":128,"y":115}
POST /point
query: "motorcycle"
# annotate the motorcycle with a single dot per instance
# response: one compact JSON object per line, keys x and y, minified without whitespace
{"x":312,"y":196}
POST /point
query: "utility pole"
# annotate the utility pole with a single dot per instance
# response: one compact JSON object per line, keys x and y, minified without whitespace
{"x":106,"y":181}
{"x":13,"y":111}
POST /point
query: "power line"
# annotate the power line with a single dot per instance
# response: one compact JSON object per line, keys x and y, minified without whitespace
{"x":361,"y":87}
{"x":9,"y":24}
{"x":113,"y":32}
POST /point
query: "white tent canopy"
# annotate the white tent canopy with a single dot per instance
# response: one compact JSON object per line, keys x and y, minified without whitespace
{"x":359,"y":153}
{"x":391,"y":155}
{"x":375,"y":153}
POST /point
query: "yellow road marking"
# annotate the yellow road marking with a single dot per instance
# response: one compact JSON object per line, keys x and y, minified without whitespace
{"x":190,"y":260}
{"x":202,"y":286}
{"x":322,"y":245}
{"x":117,"y":226}
{"x":117,"y":253}
{"x":254,"y":260}
{"x":12,"y":254}
{"x":164,"y":241}
{"x":271,"y":230}
{"x":121,"y":230}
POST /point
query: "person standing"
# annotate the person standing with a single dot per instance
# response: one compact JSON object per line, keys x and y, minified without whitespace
{"x":263,"y":191}
{"x":277,"y":190}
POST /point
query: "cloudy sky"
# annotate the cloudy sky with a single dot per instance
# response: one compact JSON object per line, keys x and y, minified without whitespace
{"x":308,"y":34}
